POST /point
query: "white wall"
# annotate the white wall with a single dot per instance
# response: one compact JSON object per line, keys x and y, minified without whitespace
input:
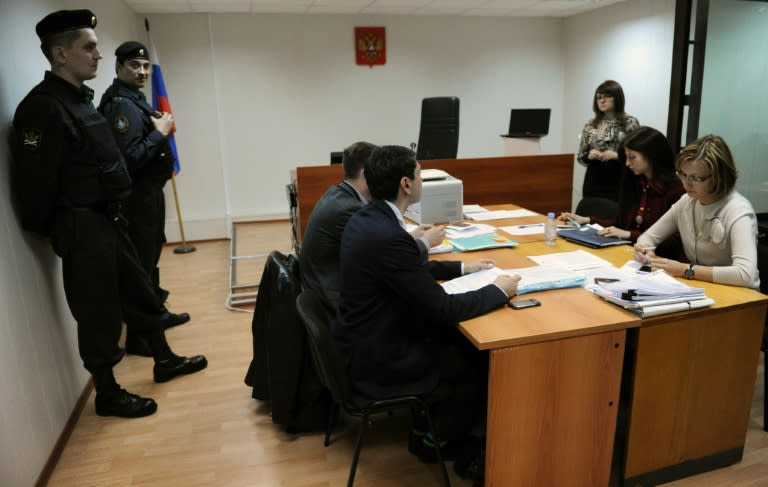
{"x":734,"y":100}
{"x":257,"y":95}
{"x":288,"y":93}
{"x":630,"y":42}
{"x":42,"y":374}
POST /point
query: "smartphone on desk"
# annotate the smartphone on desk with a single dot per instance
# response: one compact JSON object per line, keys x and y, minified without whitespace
{"x":524,"y":303}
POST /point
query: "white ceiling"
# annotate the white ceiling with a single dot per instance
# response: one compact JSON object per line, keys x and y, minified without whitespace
{"x":509,"y":8}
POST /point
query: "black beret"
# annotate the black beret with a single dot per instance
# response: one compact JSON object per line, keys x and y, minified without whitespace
{"x":65,"y":20}
{"x":131,"y":50}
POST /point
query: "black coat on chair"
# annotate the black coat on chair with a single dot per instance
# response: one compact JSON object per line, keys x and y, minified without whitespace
{"x":282,"y":371}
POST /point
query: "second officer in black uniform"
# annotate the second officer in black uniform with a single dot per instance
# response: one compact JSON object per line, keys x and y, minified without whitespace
{"x":142,"y":134}
{"x":69,"y":181}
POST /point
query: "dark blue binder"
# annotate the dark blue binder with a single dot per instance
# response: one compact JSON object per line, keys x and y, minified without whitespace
{"x":588,"y":236}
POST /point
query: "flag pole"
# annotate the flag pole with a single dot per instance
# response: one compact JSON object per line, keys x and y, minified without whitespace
{"x":184,"y":248}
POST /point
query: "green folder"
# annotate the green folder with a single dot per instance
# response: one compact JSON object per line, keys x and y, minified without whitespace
{"x":481,"y":242}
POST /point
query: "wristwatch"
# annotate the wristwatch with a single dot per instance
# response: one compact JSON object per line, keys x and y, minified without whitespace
{"x":688,"y":273}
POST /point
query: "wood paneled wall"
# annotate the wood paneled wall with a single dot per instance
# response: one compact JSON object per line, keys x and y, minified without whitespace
{"x":540,"y":183}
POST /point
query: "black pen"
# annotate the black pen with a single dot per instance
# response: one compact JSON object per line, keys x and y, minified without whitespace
{"x":605,"y":279}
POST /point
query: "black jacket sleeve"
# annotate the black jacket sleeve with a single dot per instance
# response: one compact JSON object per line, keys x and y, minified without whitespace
{"x":42,"y":132}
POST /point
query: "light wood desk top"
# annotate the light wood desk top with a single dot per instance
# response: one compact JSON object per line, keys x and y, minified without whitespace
{"x":569,"y":312}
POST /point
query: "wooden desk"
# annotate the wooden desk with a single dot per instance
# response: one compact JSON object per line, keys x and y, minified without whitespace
{"x":690,"y":379}
{"x":554,"y":382}
{"x":555,"y":373}
{"x":541,"y":183}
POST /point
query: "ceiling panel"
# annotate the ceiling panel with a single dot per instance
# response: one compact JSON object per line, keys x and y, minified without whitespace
{"x":501,"y":8}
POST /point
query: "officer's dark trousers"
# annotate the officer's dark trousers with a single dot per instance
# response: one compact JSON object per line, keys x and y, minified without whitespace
{"x":145,"y":211}
{"x":104,"y":283}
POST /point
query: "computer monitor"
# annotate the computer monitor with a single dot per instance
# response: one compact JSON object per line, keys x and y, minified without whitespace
{"x":528,"y":122}
{"x":337,"y":157}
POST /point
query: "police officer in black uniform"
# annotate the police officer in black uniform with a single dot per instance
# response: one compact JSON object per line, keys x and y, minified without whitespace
{"x":142,"y":134}
{"x":69,"y":181}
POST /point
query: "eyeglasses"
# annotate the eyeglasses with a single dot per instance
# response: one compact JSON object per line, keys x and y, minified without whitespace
{"x":692,"y":179}
{"x":601,"y":96}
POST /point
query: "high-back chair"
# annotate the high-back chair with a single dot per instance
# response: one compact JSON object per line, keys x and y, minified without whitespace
{"x":762,"y":266}
{"x":599,"y":207}
{"x":439,"y":128}
{"x":317,"y":320}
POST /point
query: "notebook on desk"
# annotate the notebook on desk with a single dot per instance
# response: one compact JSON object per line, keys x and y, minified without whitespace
{"x":588,"y":236}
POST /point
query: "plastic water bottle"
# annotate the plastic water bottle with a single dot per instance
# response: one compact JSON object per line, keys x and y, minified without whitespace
{"x":550,"y":229}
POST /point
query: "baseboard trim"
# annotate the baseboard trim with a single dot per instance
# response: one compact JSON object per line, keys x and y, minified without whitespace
{"x":66,"y":433}
{"x":686,"y":469}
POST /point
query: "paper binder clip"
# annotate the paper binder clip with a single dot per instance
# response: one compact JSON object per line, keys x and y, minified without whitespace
{"x":628,"y":295}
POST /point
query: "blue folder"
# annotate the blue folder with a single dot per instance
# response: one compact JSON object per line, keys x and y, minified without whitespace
{"x":588,"y":236}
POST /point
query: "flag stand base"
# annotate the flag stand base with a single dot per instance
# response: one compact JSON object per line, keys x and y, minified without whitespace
{"x":184,"y":249}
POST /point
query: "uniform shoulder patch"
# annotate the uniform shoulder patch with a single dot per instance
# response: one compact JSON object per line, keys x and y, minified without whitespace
{"x":122,"y":124}
{"x":32,"y":139}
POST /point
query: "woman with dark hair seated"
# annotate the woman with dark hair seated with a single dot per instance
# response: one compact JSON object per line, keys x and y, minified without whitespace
{"x":648,"y":189}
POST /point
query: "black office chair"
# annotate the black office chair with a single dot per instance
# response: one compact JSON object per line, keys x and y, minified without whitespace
{"x":316,"y":318}
{"x":439,"y":130}
{"x":762,"y":266}
{"x":598,"y":207}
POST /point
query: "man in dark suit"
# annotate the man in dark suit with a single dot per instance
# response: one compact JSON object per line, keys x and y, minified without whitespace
{"x":319,"y":257}
{"x":396,"y":326}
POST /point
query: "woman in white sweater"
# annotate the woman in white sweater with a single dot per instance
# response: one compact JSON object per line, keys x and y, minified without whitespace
{"x":717,"y":225}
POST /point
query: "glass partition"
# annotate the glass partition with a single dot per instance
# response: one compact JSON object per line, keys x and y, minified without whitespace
{"x":734,"y":101}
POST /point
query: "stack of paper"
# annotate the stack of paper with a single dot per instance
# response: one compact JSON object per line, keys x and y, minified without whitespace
{"x":444,"y":248}
{"x":652,"y":294}
{"x":461,"y":230}
{"x":533,"y":279}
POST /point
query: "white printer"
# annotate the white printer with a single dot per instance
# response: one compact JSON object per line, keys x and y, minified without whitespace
{"x":442,"y":198}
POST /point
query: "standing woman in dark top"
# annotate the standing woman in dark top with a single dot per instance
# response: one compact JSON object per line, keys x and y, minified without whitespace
{"x":649,"y":187}
{"x":600,"y":140}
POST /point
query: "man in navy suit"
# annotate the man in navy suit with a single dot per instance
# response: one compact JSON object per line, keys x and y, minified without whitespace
{"x":319,"y":256}
{"x":396,"y":326}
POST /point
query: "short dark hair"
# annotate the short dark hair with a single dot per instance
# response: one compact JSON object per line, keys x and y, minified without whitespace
{"x":65,"y":39}
{"x":354,"y":157}
{"x":712,"y":151}
{"x":384,"y":169}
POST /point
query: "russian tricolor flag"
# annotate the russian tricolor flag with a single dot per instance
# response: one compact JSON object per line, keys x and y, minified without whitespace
{"x":160,"y":101}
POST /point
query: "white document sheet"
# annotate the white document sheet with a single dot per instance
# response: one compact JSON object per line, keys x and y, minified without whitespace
{"x":576,"y":260}
{"x":530,"y":229}
{"x":499,"y":215}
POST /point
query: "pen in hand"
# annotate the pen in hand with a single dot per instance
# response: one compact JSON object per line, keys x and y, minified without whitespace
{"x":645,"y":254}
{"x":574,"y":222}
